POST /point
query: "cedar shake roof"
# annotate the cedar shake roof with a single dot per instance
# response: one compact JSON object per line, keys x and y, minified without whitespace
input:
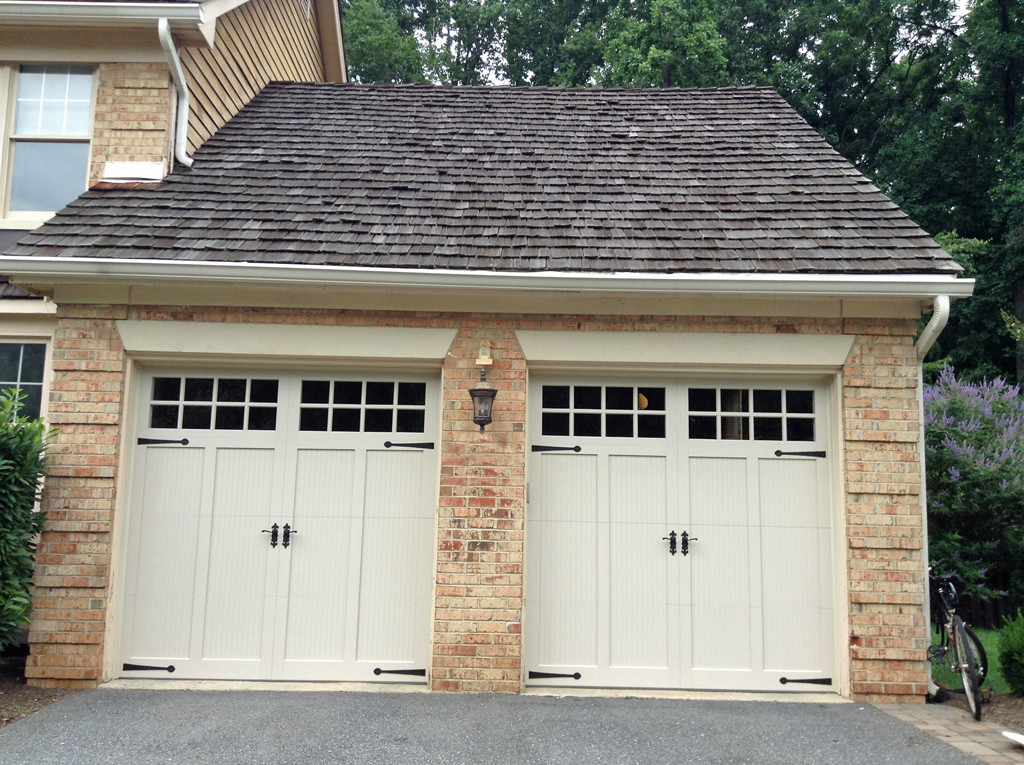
{"x":726,"y":180}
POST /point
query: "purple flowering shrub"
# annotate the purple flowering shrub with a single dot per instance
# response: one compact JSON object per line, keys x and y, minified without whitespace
{"x":974,"y":451}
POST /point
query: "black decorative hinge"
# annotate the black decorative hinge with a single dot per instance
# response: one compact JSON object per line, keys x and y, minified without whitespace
{"x":417,"y":672}
{"x":153,"y":441}
{"x":780,"y":453}
{"x":547,"y":675}
{"x":539,"y":448}
{"x":146,"y":668}
{"x":809,"y":681}
{"x":424,"y":445}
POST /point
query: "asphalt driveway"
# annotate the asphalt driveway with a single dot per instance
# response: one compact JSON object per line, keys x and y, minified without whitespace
{"x":143,"y":727}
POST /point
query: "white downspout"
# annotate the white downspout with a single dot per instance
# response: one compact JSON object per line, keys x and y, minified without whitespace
{"x":178,"y":76}
{"x":940,"y":315}
{"x":935,"y":326}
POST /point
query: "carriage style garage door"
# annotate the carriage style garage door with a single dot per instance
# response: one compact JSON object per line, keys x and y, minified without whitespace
{"x":679,"y":536}
{"x":281,"y":527}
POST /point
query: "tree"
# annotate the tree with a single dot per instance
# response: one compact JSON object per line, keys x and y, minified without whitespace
{"x":663,"y":43}
{"x":377,"y":49}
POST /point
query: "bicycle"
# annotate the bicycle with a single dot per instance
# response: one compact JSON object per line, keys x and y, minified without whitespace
{"x":958,"y":647}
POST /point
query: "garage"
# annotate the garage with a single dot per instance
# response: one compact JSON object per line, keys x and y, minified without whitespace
{"x":280,"y":526}
{"x":680,"y":534}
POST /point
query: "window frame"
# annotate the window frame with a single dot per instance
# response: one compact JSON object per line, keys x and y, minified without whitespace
{"x":9,"y":77}
{"x":47,"y":342}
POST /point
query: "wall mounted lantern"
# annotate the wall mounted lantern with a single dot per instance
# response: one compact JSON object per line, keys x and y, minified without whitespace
{"x":483,"y":392}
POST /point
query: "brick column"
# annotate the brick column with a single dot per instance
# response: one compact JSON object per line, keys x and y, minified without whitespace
{"x":72,"y":577}
{"x":477,"y":641}
{"x":132,"y":116}
{"x":887,"y":568}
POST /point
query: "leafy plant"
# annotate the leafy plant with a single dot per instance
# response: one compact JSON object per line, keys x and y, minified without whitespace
{"x":1011,"y":653}
{"x":22,"y":464}
{"x":974,"y":451}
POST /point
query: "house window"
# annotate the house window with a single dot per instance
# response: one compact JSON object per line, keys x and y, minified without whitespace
{"x":213,"y":403}
{"x":21,"y":367}
{"x":739,"y":414}
{"x":608,"y":411}
{"x":48,"y":138}
{"x":363,"y":406}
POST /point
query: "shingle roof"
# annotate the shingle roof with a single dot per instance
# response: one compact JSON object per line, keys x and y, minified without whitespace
{"x":527,"y":179}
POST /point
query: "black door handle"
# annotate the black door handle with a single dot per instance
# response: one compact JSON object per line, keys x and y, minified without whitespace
{"x":671,"y":542}
{"x":288,"y":531}
{"x":273,"y":535}
{"x":684,"y":543}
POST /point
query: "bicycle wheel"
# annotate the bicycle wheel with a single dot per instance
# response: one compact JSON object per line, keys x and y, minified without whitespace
{"x":981,"y":658}
{"x":963,"y":653}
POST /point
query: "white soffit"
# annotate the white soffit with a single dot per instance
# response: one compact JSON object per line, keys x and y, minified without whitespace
{"x":266,"y":341}
{"x":587,"y":348}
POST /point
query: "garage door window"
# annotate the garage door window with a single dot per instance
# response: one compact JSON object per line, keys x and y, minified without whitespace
{"x":217,"y":403}
{"x":742,"y":413}
{"x":363,"y":406}
{"x":611,"y":411}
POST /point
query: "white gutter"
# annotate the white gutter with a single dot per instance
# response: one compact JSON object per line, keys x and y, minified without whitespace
{"x":79,"y":270}
{"x":67,"y":13}
{"x":936,"y":324}
{"x":178,"y":75}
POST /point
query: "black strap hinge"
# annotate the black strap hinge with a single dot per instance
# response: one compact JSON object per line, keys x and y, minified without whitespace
{"x":547,"y":675}
{"x":539,"y":448}
{"x":153,"y":441}
{"x":146,"y":668}
{"x":809,"y":681}
{"x":780,"y":453}
{"x":417,"y":672}
{"x":424,"y":445}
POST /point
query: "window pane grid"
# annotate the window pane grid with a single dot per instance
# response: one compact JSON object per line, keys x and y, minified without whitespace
{"x":209,"y":403}
{"x":21,"y":367}
{"x":611,"y":411}
{"x":758,"y":414}
{"x":53,"y":101}
{"x":363,"y":406}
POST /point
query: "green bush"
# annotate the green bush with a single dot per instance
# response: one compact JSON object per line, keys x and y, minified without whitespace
{"x":1011,"y":653}
{"x":22,"y":462}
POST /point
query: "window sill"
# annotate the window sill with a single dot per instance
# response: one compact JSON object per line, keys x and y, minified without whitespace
{"x":27,"y":223}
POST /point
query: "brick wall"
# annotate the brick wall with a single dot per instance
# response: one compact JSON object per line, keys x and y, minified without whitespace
{"x":887,"y":568}
{"x":481,"y":514}
{"x":132,"y":115}
{"x":72,"y":580}
{"x":478,"y":605}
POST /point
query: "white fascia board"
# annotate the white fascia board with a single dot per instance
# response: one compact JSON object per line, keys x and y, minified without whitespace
{"x":99,"y":14}
{"x":54,"y":271}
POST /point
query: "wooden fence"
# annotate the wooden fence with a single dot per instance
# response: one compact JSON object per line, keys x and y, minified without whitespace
{"x":989,"y":614}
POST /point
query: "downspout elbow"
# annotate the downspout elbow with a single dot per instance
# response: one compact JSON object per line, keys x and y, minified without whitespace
{"x":940,"y":315}
{"x":178,"y":77}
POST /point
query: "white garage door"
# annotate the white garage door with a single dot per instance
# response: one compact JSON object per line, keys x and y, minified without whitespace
{"x":679,"y":536}
{"x":281,"y":527}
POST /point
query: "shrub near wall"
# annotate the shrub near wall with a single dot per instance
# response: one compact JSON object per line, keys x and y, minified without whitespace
{"x":22,"y":454}
{"x":974,"y":441}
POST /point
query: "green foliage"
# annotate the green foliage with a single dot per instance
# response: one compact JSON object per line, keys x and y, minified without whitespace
{"x":975,"y":341}
{"x":974,"y":453}
{"x":376,"y":47}
{"x":1011,"y":653}
{"x":22,"y":462}
{"x":666,"y":43}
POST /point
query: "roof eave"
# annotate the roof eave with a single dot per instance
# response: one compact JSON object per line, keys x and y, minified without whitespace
{"x":50,"y":271}
{"x":186,"y":19}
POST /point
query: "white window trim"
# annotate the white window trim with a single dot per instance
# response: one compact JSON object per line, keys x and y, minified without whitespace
{"x":29,"y":219}
{"x":42,"y":338}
